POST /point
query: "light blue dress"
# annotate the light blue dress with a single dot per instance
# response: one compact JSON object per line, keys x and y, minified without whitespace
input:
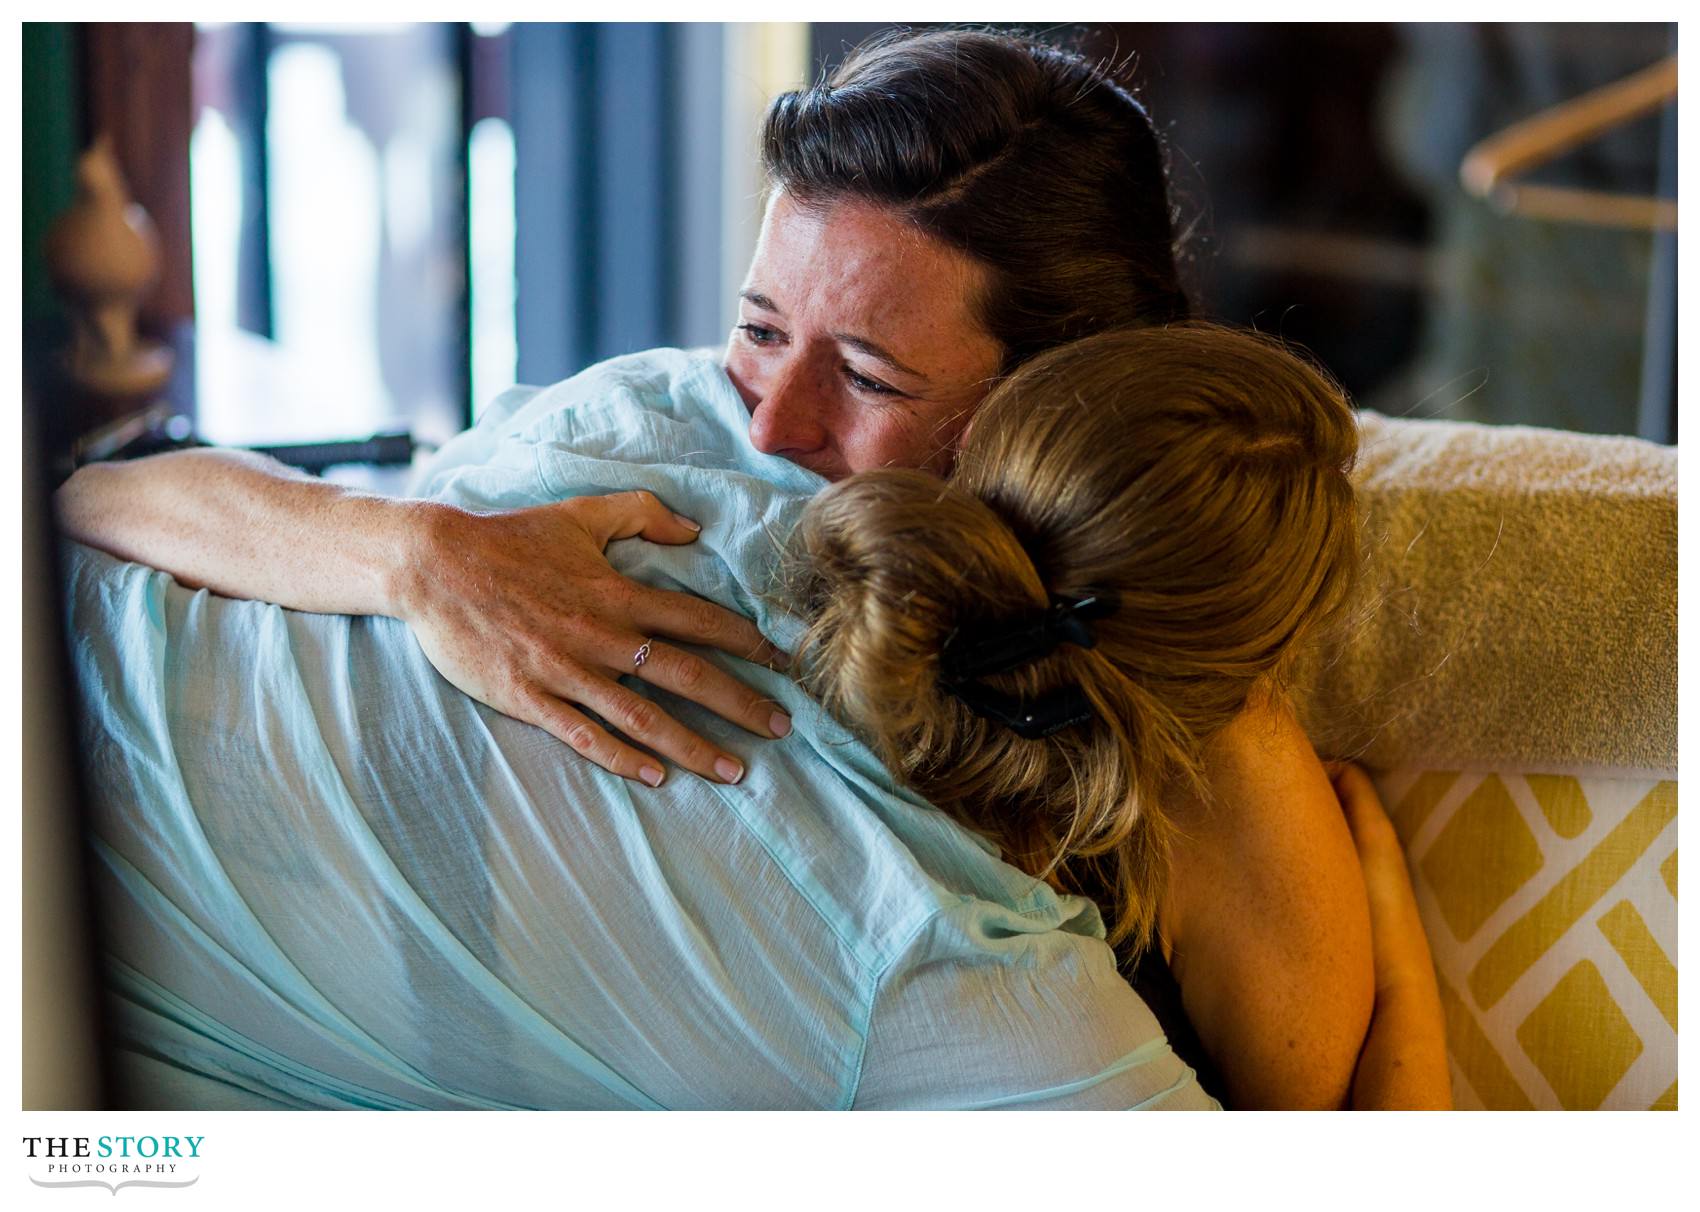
{"x":335,"y":881}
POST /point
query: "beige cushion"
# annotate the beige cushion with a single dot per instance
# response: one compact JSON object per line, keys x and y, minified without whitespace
{"x":1519,"y":603}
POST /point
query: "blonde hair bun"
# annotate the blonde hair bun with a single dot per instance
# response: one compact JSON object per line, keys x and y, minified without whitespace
{"x":1198,"y":474}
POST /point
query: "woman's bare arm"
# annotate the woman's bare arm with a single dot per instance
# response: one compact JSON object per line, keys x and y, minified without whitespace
{"x":246,"y":526}
{"x":1403,"y":1064}
{"x":1267,"y":921}
{"x":519,"y":608}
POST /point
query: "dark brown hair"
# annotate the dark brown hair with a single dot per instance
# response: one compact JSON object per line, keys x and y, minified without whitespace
{"x":1026,"y":157}
{"x":1201,"y":475}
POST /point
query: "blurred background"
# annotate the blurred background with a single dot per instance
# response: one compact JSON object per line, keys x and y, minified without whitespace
{"x":385,"y":225}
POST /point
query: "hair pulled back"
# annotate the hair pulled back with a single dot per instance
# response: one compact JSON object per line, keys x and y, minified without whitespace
{"x":1200,"y":474}
{"x":1024,"y":156}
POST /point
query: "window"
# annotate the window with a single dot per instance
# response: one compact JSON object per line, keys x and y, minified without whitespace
{"x":392,"y":223}
{"x":329,"y":185}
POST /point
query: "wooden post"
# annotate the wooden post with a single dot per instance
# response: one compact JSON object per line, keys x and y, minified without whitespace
{"x":137,"y":90}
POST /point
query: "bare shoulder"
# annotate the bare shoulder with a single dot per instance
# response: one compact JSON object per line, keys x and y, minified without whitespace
{"x":1270,"y":802}
{"x":1266,"y":917}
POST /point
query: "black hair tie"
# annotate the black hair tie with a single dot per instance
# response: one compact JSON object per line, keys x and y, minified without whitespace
{"x":973,"y":653}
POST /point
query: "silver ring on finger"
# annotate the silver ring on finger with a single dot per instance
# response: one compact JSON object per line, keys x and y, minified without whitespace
{"x":640,"y":656}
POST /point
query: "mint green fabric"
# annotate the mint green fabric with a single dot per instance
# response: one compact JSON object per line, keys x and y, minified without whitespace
{"x":335,"y":881}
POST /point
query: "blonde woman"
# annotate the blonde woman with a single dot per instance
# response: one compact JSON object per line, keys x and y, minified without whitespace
{"x":1076,"y":645}
{"x":337,"y":881}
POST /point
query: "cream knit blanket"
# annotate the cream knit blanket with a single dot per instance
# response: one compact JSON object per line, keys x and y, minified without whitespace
{"x":1518,"y":606}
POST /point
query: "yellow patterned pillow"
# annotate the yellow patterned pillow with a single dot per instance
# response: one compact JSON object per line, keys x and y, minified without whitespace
{"x":1550,"y":906}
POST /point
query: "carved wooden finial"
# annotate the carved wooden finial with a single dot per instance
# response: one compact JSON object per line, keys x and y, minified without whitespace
{"x":103,"y":255}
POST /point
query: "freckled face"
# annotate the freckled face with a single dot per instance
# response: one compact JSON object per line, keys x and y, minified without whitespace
{"x":856,"y":345}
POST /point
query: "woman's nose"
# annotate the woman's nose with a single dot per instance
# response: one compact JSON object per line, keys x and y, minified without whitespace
{"x":787,"y":417}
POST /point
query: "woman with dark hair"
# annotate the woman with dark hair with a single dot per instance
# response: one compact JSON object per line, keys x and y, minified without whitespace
{"x":1039,"y":166}
{"x":945,"y":207}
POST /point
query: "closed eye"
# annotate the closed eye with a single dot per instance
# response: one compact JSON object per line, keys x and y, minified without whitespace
{"x":873,"y":387}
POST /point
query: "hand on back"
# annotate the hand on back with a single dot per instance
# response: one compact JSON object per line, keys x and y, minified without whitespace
{"x":521,"y":610}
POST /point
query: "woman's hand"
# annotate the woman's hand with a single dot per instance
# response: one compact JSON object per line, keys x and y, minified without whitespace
{"x":518,"y":609}
{"x":521,"y":610}
{"x":1403,"y":1062}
